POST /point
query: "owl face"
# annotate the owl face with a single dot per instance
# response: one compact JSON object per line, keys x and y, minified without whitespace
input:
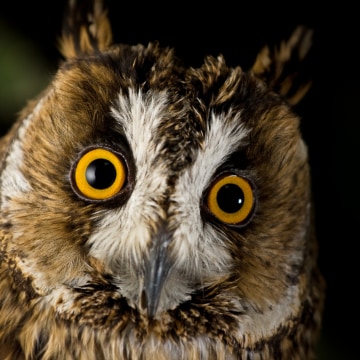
{"x":150,"y":209}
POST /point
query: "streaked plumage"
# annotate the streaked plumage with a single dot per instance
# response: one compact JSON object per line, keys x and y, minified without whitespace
{"x":156,"y":259}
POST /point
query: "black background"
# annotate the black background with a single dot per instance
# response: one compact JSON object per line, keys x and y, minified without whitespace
{"x":330,"y":122}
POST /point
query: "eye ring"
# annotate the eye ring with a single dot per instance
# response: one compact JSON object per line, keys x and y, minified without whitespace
{"x":231,"y":199}
{"x":99,"y":174}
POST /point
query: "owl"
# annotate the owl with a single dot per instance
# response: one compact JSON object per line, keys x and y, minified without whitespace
{"x":152,"y":210}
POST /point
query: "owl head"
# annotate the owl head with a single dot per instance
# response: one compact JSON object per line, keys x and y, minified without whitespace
{"x":155,"y":210}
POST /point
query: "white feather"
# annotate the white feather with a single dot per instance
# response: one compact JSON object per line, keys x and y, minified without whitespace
{"x":13,"y":182}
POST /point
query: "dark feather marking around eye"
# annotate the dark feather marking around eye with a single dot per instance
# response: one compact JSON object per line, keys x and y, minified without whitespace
{"x":114,"y":134}
{"x":237,"y":160}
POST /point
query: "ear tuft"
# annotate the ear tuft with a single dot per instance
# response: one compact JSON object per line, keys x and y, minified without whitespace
{"x":86,"y":28}
{"x":281,"y":68}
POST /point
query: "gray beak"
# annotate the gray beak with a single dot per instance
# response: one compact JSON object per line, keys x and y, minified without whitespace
{"x":157,"y":269}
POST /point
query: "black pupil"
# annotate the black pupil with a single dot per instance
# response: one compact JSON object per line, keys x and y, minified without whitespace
{"x":230,"y":198}
{"x":100,"y":174}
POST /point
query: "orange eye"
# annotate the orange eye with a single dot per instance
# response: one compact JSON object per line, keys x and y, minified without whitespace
{"x":231,"y":199}
{"x":99,"y":174}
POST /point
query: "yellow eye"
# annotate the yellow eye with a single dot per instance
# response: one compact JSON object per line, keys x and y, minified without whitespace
{"x":99,"y":174}
{"x":231,"y":199}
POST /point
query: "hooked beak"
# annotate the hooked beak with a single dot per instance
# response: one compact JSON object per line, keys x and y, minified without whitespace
{"x":157,"y":269}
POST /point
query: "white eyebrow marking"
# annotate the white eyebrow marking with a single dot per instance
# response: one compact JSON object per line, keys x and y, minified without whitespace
{"x":140,"y":116}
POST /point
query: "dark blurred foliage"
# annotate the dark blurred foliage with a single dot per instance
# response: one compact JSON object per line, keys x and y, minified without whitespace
{"x":330,"y":122}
